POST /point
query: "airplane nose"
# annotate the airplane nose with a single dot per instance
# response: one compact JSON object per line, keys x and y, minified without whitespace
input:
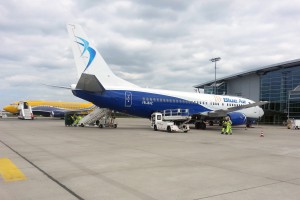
{"x":261,"y":112}
{"x":6,"y":108}
{"x":10,"y":109}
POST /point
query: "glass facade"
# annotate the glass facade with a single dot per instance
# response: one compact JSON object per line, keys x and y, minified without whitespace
{"x":275,"y":87}
{"x":221,"y":89}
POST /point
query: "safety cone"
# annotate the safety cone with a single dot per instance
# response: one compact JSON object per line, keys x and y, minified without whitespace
{"x":262,"y":134}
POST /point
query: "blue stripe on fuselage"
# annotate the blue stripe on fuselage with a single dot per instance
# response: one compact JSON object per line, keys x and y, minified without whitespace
{"x":143,"y":104}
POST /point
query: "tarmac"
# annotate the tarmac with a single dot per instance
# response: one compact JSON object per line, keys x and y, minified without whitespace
{"x":134,"y":162}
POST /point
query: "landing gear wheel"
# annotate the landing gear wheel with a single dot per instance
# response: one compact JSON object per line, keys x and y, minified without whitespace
{"x":203,"y":126}
{"x":169,"y":129}
{"x":197,"y":125}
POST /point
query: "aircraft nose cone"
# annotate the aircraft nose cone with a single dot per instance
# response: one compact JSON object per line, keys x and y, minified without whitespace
{"x":10,"y":108}
{"x":6,"y":108}
{"x":261,"y":112}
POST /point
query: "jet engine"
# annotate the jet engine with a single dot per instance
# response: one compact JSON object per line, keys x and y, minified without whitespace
{"x":237,"y":118}
{"x":56,"y":113}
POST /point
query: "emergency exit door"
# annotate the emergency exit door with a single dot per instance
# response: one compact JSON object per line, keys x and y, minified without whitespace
{"x":128,"y":99}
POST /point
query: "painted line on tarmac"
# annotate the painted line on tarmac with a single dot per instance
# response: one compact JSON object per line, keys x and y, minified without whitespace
{"x":9,"y":171}
{"x":45,"y":173}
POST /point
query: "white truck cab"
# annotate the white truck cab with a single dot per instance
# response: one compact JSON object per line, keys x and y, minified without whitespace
{"x":159,"y":121}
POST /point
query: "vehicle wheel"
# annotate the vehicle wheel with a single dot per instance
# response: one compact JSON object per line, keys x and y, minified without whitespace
{"x":82,"y":125}
{"x":197,"y":125}
{"x":169,"y":129}
{"x":203,"y":126}
{"x":100,"y":126}
{"x":155,"y":128}
{"x":115,"y":125}
{"x":185,"y":131}
{"x":211,"y":123}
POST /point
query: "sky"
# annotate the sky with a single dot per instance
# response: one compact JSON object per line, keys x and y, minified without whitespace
{"x":163,"y":44}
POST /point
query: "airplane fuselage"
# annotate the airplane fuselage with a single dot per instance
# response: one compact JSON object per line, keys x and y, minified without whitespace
{"x":144,"y":102}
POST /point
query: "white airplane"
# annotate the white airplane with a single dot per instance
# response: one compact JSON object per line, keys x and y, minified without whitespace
{"x":99,"y":85}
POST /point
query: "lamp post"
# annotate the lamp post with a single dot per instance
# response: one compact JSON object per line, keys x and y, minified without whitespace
{"x":215,"y":60}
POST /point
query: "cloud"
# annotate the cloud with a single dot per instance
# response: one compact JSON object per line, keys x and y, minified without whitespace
{"x":163,"y":44}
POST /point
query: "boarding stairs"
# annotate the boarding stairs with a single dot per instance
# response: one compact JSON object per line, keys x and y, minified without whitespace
{"x":176,"y":115}
{"x":25,"y":111}
{"x":95,"y":115}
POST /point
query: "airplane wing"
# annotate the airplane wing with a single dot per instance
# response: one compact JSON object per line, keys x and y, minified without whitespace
{"x":223,"y":112}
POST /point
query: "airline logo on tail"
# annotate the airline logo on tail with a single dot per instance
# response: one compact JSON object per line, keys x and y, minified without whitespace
{"x":86,"y":46}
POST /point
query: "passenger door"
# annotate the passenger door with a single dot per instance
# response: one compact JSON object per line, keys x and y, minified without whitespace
{"x":128,"y":99}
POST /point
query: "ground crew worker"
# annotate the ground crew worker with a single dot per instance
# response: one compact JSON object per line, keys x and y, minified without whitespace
{"x":224,"y":126}
{"x":79,"y":117}
{"x":75,"y":120}
{"x":228,"y":128}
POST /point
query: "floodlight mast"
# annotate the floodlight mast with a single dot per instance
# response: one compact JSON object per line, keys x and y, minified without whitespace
{"x":215,"y":60}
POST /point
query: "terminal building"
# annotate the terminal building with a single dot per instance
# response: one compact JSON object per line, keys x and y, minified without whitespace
{"x":279,"y":84}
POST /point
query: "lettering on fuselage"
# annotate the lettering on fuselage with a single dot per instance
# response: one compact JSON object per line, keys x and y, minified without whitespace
{"x":230,"y":100}
{"x":147,"y":102}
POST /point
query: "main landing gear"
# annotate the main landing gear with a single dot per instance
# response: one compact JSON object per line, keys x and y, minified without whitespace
{"x":200,"y":125}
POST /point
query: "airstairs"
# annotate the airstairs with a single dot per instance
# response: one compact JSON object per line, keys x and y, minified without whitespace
{"x":100,"y":116}
{"x":25,"y":111}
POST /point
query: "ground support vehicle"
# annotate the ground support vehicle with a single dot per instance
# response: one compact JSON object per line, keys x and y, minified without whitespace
{"x":101,"y":117}
{"x":173,"y":120}
{"x":25,"y":111}
{"x":293,"y":124}
{"x":108,"y":121}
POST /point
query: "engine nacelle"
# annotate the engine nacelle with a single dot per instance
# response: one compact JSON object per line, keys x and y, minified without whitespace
{"x":237,"y":118}
{"x":59,"y":114}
